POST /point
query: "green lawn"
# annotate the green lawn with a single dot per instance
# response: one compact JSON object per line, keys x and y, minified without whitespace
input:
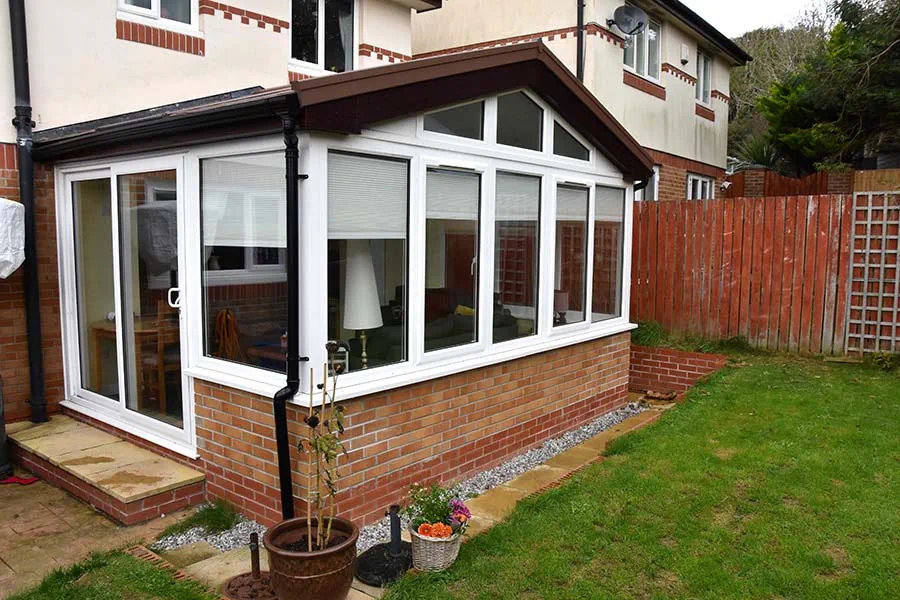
{"x":778,"y":478}
{"x":113,"y":576}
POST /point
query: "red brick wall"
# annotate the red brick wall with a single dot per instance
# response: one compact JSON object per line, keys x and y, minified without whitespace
{"x":673,"y":173}
{"x":667,"y":370}
{"x":13,"y":341}
{"x":445,"y":429}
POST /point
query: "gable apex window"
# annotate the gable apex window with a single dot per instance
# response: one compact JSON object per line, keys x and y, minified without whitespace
{"x":704,"y":77}
{"x":566,"y":144}
{"x":322,"y":33}
{"x":642,"y":51}
{"x":520,"y":121}
{"x":180,"y":13}
{"x":463,"y":120}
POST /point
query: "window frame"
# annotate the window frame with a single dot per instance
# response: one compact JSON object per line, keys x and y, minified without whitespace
{"x":578,"y":137}
{"x":700,"y":180}
{"x":633,"y":68}
{"x":700,"y":93}
{"x":152,"y":16}
{"x":317,"y":68}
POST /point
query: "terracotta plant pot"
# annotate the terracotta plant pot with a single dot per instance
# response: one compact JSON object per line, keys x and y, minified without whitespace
{"x":321,"y":575}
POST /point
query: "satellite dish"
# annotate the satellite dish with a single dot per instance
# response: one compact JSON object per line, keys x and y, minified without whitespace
{"x":630,"y":20}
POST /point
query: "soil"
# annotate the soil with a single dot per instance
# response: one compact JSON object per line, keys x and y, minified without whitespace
{"x":245,"y":587}
{"x":302,"y":545}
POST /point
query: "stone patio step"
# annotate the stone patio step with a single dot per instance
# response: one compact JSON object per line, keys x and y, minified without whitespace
{"x":129,"y":483}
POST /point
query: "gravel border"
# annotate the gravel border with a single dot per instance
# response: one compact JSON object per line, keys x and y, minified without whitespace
{"x":379,"y":532}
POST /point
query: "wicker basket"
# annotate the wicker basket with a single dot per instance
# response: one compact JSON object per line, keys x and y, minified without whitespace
{"x":434,"y":554}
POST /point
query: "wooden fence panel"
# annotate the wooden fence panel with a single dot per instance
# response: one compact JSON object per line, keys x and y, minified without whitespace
{"x":775,"y":270}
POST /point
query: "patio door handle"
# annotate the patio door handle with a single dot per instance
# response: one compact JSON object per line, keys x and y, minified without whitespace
{"x":173,"y":300}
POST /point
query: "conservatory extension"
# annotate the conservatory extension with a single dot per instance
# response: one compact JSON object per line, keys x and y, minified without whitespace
{"x":463,"y":224}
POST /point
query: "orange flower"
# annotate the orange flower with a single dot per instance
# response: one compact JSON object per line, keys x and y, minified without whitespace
{"x":441,"y":530}
{"x":426,"y":530}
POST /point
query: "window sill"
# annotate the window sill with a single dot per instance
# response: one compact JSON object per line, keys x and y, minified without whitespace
{"x":307,"y":70}
{"x":643,"y":84}
{"x":152,"y":32}
{"x":166,"y":24}
{"x":705,"y":112}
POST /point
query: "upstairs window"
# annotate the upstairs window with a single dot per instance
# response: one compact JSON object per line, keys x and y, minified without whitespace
{"x":704,"y":77}
{"x":179,"y":11}
{"x":520,"y":121}
{"x":642,"y":51}
{"x":332,"y":50}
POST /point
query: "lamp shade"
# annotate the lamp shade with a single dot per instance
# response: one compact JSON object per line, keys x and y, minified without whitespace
{"x":561,"y":301}
{"x":362,"y":309}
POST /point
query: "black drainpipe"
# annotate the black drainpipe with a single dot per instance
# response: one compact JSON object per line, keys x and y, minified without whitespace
{"x":6,"y":468}
{"x":24,"y":125}
{"x":579,"y":54}
{"x":291,"y":157}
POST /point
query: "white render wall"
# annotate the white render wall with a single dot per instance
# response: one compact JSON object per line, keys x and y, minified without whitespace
{"x":670,"y":126}
{"x":80,"y":71}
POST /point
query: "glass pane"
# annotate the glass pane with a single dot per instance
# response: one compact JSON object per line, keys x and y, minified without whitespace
{"x":565,"y":144}
{"x":609,"y":238}
{"x":368,"y":204}
{"x":698,"y":89}
{"x":629,"y":51}
{"x":451,"y":258}
{"x":94,"y":276}
{"x":464,"y":121}
{"x":148,"y":263}
{"x":520,"y":121}
{"x":518,"y":209}
{"x":707,"y":78}
{"x":305,"y":30}
{"x":243,"y":221}
{"x":145,"y":4}
{"x":653,"y":50}
{"x":571,"y":251}
{"x":640,"y":44}
{"x":176,"y":10}
{"x":338,"y":35}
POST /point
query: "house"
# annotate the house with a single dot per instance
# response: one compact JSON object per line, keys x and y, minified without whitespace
{"x":462,"y":221}
{"x":668,"y":85}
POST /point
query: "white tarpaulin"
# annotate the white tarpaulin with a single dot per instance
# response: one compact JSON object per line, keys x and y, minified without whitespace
{"x":12,"y":236}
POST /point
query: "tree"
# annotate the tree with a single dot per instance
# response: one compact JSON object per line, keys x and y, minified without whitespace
{"x":844,"y":100}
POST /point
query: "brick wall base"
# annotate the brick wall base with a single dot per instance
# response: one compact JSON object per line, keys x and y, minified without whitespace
{"x":441,"y":430}
{"x":667,"y":370}
{"x":126,"y":513}
{"x":673,"y":174}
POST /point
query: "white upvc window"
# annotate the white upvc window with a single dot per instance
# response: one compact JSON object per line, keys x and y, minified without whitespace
{"x":179,"y":15}
{"x":704,"y":77}
{"x":651,"y":192}
{"x":323,"y":35}
{"x":642,"y":51}
{"x":700,"y":187}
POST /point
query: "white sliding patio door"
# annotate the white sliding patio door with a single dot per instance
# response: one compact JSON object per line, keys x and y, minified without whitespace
{"x":125,"y":324}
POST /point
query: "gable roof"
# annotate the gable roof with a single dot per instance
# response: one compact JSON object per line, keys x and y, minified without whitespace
{"x":348,"y":102}
{"x":704,"y":28}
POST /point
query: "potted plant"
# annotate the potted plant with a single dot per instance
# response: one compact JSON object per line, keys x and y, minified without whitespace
{"x":437,"y":520}
{"x":315,"y":556}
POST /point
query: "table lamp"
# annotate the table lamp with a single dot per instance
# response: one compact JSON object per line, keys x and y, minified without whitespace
{"x":362,"y":308}
{"x":560,"y":306}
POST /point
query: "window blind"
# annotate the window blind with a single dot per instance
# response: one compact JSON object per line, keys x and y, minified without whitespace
{"x":452,"y":195}
{"x":518,"y":197}
{"x":243,"y":201}
{"x":367,"y":197}
{"x":571,"y":203}
{"x":609,"y":204}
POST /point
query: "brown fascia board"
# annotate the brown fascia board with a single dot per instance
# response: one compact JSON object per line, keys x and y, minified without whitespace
{"x":348,"y":102}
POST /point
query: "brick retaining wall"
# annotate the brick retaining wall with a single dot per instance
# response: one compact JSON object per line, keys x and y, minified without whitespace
{"x":667,"y":370}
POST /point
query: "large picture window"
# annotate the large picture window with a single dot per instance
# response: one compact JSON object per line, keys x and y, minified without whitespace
{"x":322,"y":33}
{"x":516,"y":253}
{"x":609,"y":247}
{"x":368,"y":200}
{"x":243,"y":221}
{"x":569,"y":296}
{"x":452,"y":202}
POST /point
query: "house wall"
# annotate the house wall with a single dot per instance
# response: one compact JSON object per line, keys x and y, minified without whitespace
{"x":669,"y":124}
{"x":81,"y":69}
{"x":440,"y":430}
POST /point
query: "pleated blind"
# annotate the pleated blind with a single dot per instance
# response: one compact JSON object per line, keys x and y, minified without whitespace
{"x":367,"y":197}
{"x":609,"y":205}
{"x":452,"y":195}
{"x":518,"y":197}
{"x":571,"y":203}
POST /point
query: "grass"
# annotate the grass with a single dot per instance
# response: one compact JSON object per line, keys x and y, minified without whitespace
{"x":778,"y":478}
{"x":113,"y":576}
{"x":215,"y":517}
{"x":651,"y":333}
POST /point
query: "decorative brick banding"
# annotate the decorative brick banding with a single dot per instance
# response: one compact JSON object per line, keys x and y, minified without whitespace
{"x":721,"y":96}
{"x":382,"y":53}
{"x":667,"y":370}
{"x":678,"y":73}
{"x":646,"y":86}
{"x":247,"y":17}
{"x":126,"y":513}
{"x":161,"y":38}
{"x":705,"y":112}
{"x":295,"y":76}
{"x":445,"y":429}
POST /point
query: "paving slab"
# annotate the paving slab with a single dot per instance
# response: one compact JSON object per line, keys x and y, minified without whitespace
{"x":496,"y":504}
{"x":573,"y":458}
{"x":477,"y":525}
{"x":368,"y":590}
{"x":145,"y":478}
{"x":53,"y":446}
{"x":539,"y":477}
{"x":87,"y":463}
{"x":215,"y":571}
{"x":190,"y":554}
{"x":25,"y":430}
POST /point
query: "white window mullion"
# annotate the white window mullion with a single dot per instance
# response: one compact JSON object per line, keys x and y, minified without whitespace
{"x":547,"y":243}
{"x":416,"y":256}
{"x":486,"y":251}
{"x":589,"y":255}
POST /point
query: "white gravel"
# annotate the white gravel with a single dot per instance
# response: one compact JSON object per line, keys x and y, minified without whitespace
{"x":379,"y":532}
